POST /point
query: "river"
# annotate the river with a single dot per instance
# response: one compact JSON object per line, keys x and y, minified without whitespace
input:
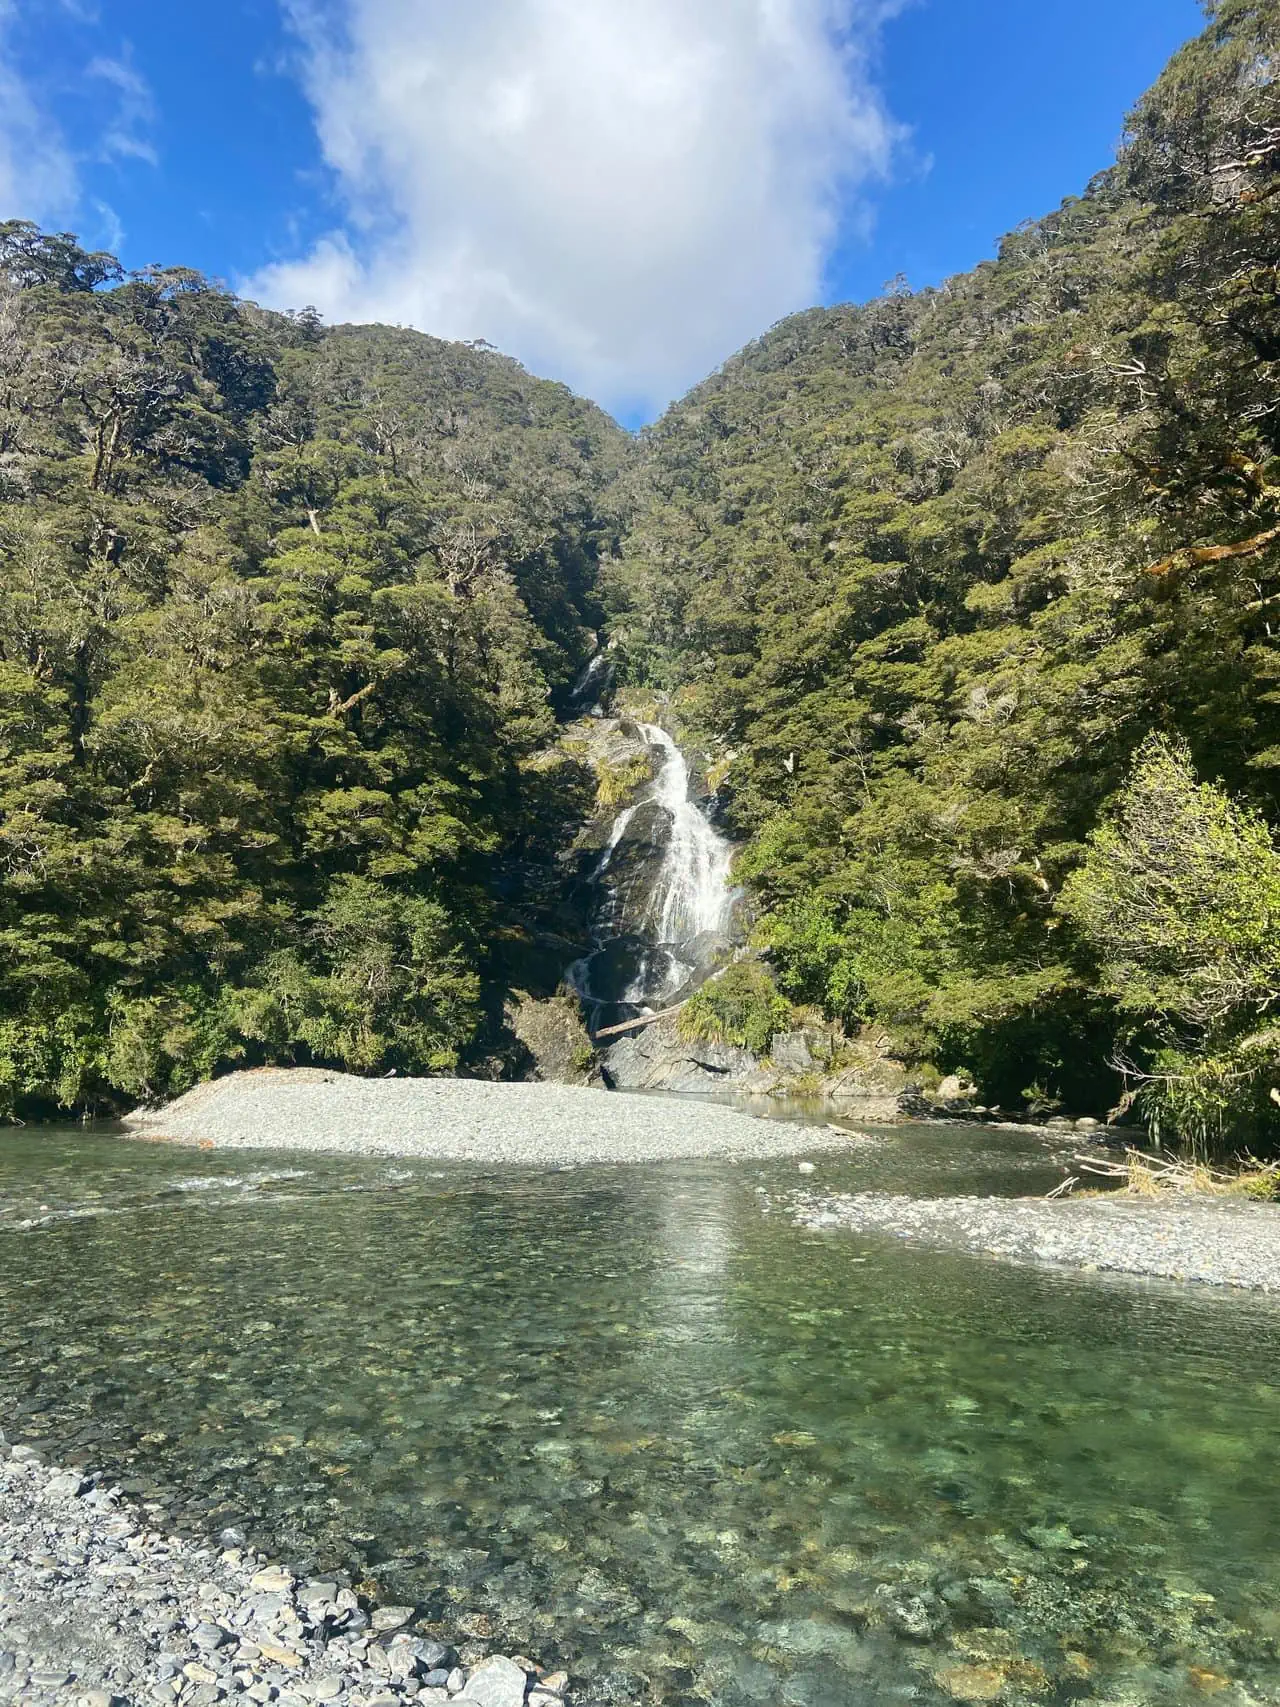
{"x":624,"y":1419}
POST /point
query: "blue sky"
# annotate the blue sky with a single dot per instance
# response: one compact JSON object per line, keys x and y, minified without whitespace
{"x":620,"y":192}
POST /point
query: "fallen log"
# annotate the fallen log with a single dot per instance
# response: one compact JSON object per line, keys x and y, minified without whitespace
{"x":636,"y":1024}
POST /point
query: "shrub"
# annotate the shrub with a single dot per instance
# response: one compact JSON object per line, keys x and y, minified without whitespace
{"x":743,"y":1006}
{"x":1179,"y":898}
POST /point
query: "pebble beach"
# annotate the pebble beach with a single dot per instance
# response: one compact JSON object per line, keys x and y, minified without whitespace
{"x":98,"y":1609}
{"x":468,"y":1120}
{"x":1205,"y":1240}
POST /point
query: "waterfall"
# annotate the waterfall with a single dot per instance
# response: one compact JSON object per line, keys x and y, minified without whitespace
{"x":692,"y":893}
{"x":592,"y":688}
{"x":616,"y":834}
{"x":659,"y":923}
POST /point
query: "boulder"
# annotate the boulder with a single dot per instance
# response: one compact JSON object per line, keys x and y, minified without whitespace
{"x":658,"y":1058}
{"x":805,"y":1050}
{"x":496,"y":1682}
{"x":555,"y":1044}
{"x":954,"y":1088}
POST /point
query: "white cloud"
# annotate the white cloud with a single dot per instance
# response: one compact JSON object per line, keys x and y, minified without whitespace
{"x":40,"y":172}
{"x":620,"y":192}
{"x":37,"y":171}
{"x":125,"y":135}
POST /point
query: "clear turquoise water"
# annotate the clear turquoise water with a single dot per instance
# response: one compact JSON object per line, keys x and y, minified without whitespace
{"x":620,"y":1418}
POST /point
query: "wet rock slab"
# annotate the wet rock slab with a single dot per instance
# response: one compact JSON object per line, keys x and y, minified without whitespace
{"x":99,"y":1610}
{"x":1207,"y":1240}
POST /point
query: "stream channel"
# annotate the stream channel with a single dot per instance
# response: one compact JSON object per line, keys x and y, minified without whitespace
{"x":626,"y":1419}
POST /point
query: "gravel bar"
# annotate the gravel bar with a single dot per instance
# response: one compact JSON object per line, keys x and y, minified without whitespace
{"x":1201,"y":1239}
{"x":98,"y":1609}
{"x":466,"y":1120}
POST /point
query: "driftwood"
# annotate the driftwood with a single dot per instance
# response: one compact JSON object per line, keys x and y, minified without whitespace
{"x":1068,"y":1185}
{"x":1169,"y":1169}
{"x":636,"y":1024}
{"x":1146,"y":1172}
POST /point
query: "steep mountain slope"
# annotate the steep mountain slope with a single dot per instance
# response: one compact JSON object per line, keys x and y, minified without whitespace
{"x":968,"y":596}
{"x":284,"y":617}
{"x":928,"y":574}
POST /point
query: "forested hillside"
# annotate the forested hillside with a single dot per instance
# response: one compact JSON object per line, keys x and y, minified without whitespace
{"x":971,"y":594}
{"x":285,"y":615}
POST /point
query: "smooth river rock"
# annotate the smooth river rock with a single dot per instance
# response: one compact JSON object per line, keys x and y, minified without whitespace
{"x":496,"y":1682}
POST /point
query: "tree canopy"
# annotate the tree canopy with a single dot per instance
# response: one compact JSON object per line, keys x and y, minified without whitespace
{"x":285,"y":615}
{"x":969,"y":595}
{"x":926,"y":575}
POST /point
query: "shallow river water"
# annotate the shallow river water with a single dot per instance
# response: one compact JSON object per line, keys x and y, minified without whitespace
{"x":622,"y":1419}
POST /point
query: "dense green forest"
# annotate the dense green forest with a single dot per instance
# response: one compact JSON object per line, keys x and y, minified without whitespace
{"x":970,"y":594}
{"x":285,"y":617}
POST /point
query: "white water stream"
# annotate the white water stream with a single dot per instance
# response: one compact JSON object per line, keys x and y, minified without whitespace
{"x":689,"y":896}
{"x":692,"y":893}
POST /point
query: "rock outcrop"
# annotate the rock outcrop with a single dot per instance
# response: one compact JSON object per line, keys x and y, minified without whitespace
{"x":553,"y":1045}
{"x":851,"y":1076}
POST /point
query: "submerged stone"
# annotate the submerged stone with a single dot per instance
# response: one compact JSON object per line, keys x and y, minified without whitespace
{"x":971,"y":1682}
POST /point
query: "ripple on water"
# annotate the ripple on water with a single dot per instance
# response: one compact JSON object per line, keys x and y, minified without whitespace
{"x":620,"y":1418}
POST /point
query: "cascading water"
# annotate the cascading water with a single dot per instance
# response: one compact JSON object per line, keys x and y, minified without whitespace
{"x":591,"y":688}
{"x":692,"y":894}
{"x":660,"y":922}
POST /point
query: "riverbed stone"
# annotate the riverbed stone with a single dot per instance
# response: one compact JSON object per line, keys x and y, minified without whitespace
{"x":390,"y":1617}
{"x":496,"y":1682}
{"x":209,"y":1637}
{"x":916,"y":1617}
{"x":67,"y":1486}
{"x":435,"y":1656}
{"x":971,"y":1682}
{"x":273,"y":1579}
{"x":402,"y":1665}
{"x":417,"y":1658}
{"x":278,"y":1654}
